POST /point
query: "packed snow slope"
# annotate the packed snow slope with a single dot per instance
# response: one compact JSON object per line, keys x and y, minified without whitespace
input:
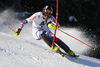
{"x":18,"y":52}
{"x":25,"y":51}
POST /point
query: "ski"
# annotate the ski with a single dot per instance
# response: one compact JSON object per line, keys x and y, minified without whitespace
{"x":64,"y":55}
{"x":76,"y":57}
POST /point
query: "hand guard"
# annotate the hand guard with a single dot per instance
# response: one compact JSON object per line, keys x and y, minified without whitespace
{"x":17,"y":32}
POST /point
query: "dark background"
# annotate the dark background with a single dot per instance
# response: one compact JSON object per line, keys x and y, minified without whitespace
{"x":87,"y":13}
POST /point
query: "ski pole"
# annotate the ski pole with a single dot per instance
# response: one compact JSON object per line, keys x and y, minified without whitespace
{"x":10,"y":28}
{"x":75,"y":38}
{"x":52,"y":26}
{"x":15,"y":34}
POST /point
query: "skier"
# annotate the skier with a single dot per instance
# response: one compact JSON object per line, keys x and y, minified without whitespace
{"x":40,"y":29}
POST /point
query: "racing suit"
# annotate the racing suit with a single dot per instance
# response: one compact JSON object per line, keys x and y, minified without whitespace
{"x":40,"y":30}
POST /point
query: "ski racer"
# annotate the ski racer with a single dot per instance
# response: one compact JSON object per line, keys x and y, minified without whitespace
{"x":40,"y":30}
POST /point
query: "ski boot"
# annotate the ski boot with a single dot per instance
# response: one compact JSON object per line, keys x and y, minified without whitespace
{"x":71,"y":53}
{"x":58,"y":51}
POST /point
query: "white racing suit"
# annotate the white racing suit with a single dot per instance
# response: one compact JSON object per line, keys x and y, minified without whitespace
{"x":39,"y":25}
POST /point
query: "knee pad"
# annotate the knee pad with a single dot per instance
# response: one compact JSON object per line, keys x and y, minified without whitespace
{"x":43,"y":34}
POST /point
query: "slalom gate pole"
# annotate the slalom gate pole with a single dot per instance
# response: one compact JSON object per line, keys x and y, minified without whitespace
{"x":56,"y":25}
{"x":76,"y":38}
{"x":10,"y":28}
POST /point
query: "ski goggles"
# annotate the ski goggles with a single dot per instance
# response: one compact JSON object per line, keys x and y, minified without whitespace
{"x":45,"y":14}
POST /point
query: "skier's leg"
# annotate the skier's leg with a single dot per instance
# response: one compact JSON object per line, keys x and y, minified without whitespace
{"x":49,"y":41}
{"x":64,"y":46}
{"x":48,"y":38}
{"x":40,"y":33}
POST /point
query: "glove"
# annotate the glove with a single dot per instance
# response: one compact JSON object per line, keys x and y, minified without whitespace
{"x":17,"y":32}
{"x":51,"y":26}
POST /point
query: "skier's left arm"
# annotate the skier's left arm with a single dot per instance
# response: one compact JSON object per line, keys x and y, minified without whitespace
{"x":53,"y":20}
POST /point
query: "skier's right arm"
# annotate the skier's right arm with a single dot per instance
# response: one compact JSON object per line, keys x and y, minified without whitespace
{"x":28,"y":20}
{"x":20,"y":27}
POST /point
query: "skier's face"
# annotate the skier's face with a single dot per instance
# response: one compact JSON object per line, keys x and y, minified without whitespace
{"x":46,"y":17}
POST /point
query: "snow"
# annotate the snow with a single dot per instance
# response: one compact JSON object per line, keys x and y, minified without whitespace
{"x":15,"y":52}
{"x":25,"y":51}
